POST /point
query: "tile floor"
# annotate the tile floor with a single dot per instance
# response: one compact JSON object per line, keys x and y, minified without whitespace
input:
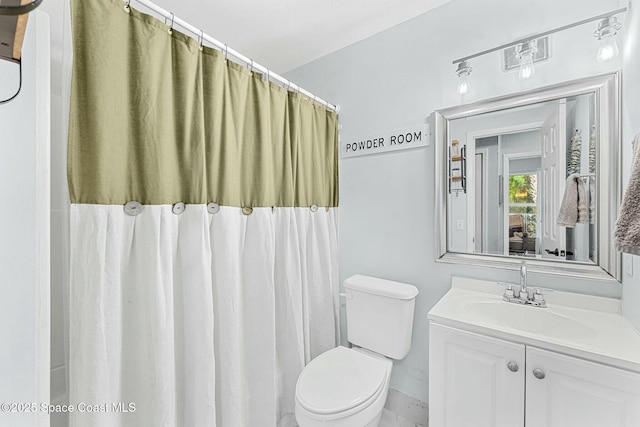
{"x":390,"y":419}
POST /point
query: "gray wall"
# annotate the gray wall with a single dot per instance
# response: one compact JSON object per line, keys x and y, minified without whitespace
{"x":397,"y":78}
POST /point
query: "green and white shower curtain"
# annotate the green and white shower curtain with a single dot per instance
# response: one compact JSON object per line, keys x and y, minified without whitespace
{"x":204,"y":198}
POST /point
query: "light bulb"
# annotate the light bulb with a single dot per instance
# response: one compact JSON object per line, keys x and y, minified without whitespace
{"x":463,"y":71}
{"x":463,"y":85}
{"x":527,"y":69}
{"x":606,"y":35}
{"x":525,"y":52}
{"x":608,"y":49}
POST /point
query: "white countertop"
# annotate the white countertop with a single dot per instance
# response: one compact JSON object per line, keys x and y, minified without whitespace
{"x":584,"y":326}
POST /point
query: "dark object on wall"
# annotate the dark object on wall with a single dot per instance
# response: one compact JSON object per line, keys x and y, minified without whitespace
{"x":13,"y":23}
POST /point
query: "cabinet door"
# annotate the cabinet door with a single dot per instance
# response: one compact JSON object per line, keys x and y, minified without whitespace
{"x":578,"y":393}
{"x":470,"y":383}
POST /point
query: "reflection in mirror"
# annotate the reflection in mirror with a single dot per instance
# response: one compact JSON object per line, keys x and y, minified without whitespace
{"x":533,"y":176}
{"x":518,"y":162}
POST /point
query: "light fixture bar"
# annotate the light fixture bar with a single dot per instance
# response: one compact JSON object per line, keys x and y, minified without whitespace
{"x":546,"y":33}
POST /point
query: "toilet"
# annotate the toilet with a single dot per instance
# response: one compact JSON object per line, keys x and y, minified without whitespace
{"x":347,"y":387}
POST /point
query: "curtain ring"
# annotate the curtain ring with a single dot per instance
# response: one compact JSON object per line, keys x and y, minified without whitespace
{"x":268,"y":75}
{"x":226,"y":52}
{"x":170,"y":31}
{"x":251,"y":67}
{"x":127,"y":7}
{"x":201,"y":39}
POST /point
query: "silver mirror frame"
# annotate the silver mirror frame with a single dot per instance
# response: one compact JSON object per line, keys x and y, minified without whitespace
{"x":609,"y":172}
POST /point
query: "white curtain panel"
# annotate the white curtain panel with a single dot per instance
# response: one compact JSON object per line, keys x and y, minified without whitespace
{"x":197,"y":319}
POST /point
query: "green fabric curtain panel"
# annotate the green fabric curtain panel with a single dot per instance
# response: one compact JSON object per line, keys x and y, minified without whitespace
{"x":158,"y":120}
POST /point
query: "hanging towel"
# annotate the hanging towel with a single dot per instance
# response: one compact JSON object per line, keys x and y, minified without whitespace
{"x":627,"y":233}
{"x":573,"y":162}
{"x":573,"y":209}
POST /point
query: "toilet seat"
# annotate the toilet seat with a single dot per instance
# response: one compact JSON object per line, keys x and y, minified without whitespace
{"x":341,"y":381}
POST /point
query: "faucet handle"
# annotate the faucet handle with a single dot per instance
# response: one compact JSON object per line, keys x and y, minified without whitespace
{"x":508,"y":290}
{"x":538,"y":296}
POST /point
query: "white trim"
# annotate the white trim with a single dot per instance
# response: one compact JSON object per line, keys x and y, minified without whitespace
{"x":43,"y":213}
{"x":485,"y":210}
{"x":470,"y":173}
{"x":505,"y":130}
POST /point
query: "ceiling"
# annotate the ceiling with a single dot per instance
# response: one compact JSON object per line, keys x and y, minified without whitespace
{"x":285,"y":34}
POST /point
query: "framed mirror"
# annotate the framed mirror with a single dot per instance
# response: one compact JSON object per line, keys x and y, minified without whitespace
{"x":534,"y":176}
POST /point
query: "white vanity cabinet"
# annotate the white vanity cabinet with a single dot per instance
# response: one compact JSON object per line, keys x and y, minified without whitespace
{"x":571,"y":392}
{"x":482,"y":381}
{"x":470,"y":383}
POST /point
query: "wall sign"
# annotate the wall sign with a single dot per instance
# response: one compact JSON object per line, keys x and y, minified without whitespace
{"x":411,"y":137}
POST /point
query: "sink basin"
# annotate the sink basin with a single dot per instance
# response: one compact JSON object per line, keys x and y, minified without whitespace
{"x":528,"y":319}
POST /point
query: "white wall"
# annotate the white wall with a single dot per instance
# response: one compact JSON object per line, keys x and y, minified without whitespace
{"x":631,"y":126}
{"x":24,"y":230}
{"x":397,"y":78}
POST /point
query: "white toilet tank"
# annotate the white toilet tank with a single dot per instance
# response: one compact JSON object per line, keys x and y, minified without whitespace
{"x":380,"y":314}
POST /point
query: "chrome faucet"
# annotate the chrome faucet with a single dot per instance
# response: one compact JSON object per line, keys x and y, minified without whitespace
{"x":523,"y":297}
{"x":524,"y":294}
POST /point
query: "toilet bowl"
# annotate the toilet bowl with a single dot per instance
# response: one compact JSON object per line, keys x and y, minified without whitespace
{"x":343,"y":387}
{"x":348,"y":387}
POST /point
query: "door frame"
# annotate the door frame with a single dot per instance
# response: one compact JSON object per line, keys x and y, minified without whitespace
{"x":470,"y":144}
{"x":485,"y":177}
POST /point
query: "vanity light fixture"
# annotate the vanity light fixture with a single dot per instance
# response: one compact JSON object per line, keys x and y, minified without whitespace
{"x":606,"y":34}
{"x":525,"y":52}
{"x":463,"y":71}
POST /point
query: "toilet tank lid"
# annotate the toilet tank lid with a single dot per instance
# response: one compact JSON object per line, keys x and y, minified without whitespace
{"x":381,"y":287}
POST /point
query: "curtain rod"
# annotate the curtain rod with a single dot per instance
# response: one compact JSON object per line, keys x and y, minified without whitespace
{"x":546,"y":33}
{"x":227,"y":50}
